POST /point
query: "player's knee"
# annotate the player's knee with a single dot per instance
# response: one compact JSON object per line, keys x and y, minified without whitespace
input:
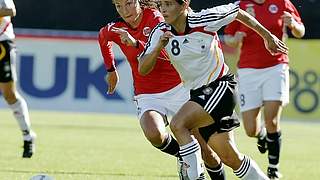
{"x":155,"y":137}
{"x":9,"y":97}
{"x":251,"y":132}
{"x":176,"y":125}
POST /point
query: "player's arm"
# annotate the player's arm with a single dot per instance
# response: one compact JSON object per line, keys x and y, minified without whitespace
{"x":148,"y":58}
{"x":273,"y":44}
{"x":297,"y":29}
{"x":234,"y":40}
{"x":148,"y":61}
{"x":112,"y":76}
{"x":7,"y":9}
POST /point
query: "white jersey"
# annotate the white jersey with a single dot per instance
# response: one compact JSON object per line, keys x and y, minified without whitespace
{"x":6,"y":28}
{"x":197,"y":54}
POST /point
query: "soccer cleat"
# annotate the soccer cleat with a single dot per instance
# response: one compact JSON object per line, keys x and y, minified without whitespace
{"x":262,"y":145}
{"x":29,"y":145}
{"x":274,"y":174}
{"x":182,"y":170}
{"x":202,"y":177}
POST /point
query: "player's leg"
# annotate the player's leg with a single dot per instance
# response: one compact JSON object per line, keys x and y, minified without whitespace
{"x":254,"y":128}
{"x":213,"y":163}
{"x":243,"y":167}
{"x":16,"y":103}
{"x":153,"y":126}
{"x":191,"y":115}
{"x":152,"y":113}
{"x":275,"y":96}
{"x":251,"y":101}
{"x":272,"y":111}
{"x":20,"y":111}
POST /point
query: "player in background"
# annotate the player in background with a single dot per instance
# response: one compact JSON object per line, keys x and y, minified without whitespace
{"x":191,"y":41}
{"x":264,"y":78}
{"x":157,"y":94}
{"x":8,"y":76}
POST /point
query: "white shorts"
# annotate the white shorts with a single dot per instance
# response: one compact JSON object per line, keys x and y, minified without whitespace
{"x":167,"y":103}
{"x":267,"y":84}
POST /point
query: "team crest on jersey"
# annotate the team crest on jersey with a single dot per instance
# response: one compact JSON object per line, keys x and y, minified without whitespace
{"x":250,"y":10}
{"x":207,"y":91}
{"x":157,"y":14}
{"x":146,"y":31}
{"x":273,"y":8}
{"x":109,"y":25}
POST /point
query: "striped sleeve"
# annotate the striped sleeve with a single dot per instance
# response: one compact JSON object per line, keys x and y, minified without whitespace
{"x":214,"y":18}
{"x":153,"y":39}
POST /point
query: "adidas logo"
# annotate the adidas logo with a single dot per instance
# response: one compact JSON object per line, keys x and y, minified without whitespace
{"x":185,"y":41}
{"x":202,"y":97}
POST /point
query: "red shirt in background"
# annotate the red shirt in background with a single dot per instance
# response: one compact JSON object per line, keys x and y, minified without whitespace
{"x":253,"y":51}
{"x":163,"y":77}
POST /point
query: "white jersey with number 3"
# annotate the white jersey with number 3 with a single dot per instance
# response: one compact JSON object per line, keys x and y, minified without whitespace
{"x":197,"y":54}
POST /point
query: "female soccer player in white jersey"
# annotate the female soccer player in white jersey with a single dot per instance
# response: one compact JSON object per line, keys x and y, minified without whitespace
{"x":157,"y":94}
{"x":193,"y":47}
{"x":8,"y":76}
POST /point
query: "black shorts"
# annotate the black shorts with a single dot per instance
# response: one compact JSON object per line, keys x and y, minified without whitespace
{"x":219,"y":100}
{"x":7,"y":61}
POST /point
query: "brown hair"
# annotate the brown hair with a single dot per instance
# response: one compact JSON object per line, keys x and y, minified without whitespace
{"x":149,"y":3}
{"x":146,"y":3}
{"x":182,"y":1}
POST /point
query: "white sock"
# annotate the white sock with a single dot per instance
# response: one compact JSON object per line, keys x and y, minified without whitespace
{"x":21,"y":114}
{"x":249,"y":170}
{"x":191,"y":155}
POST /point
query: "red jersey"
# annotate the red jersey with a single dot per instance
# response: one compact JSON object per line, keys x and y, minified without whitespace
{"x":253,"y":51}
{"x":163,"y":76}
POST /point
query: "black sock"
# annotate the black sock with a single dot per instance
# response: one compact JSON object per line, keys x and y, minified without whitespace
{"x":216,"y":173}
{"x":170,"y":146}
{"x":262,"y":134}
{"x":274,"y":145}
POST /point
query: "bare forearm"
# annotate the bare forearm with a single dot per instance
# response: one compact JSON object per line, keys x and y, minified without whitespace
{"x":298,"y":30}
{"x":147,"y":62}
{"x":252,"y":23}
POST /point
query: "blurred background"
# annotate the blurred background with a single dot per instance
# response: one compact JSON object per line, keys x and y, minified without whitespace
{"x":62,"y":64}
{"x":90,"y":16}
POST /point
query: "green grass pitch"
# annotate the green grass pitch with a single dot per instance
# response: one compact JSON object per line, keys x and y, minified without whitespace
{"x":77,"y":146}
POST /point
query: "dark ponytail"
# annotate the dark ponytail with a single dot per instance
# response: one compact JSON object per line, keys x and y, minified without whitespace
{"x":182,"y":1}
{"x":153,"y":4}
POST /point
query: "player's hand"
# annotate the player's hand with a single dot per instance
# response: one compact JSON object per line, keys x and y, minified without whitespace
{"x":275,"y":45}
{"x":164,"y":39}
{"x":112,"y":79}
{"x":288,"y":19}
{"x":238,"y":36}
{"x":125,"y":37}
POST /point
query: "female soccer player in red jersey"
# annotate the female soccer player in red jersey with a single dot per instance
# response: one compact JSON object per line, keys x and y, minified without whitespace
{"x":191,"y":41}
{"x":264,"y":78}
{"x":157,"y":94}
